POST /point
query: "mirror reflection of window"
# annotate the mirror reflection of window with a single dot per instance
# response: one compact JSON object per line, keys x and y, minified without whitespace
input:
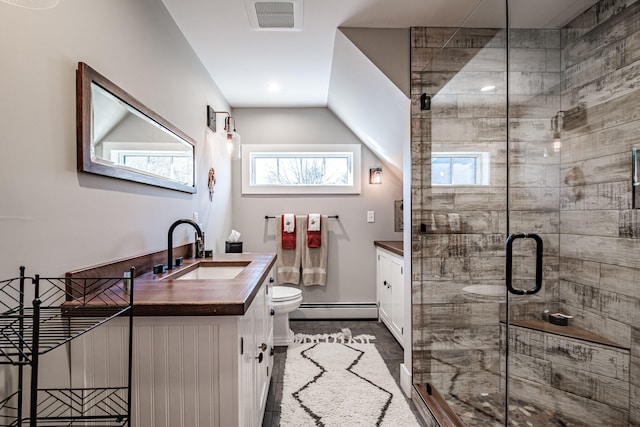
{"x":126,"y":138}
{"x":169,"y":164}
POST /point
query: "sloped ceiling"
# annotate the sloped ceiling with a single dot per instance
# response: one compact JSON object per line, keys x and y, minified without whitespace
{"x":317,"y":66}
{"x":369,"y":103}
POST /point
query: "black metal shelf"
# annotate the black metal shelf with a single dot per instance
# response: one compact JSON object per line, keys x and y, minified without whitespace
{"x":62,"y":309}
{"x":107,"y":406}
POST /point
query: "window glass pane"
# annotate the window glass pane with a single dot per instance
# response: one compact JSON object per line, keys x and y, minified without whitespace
{"x":289,"y":172}
{"x":337,"y":171}
{"x":441,"y":170}
{"x":315,"y":169}
{"x":181,"y":168}
{"x":464,"y":170}
{"x":176,"y":166}
{"x":157,"y":164}
{"x":136,"y":162}
{"x":265,"y":171}
{"x":301,"y":170}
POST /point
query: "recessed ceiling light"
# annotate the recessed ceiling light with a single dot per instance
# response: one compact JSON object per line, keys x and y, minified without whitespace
{"x":487,"y":88}
{"x":273,"y":86}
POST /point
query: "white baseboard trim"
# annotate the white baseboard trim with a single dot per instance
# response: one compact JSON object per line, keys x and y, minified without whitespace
{"x":335,"y":311}
{"x":405,"y":379}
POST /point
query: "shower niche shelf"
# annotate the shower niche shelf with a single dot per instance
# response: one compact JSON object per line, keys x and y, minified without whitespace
{"x":59,"y":310}
{"x":570,"y":331}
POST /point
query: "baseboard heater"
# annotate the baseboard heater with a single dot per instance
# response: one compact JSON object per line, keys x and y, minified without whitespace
{"x":336,"y":310}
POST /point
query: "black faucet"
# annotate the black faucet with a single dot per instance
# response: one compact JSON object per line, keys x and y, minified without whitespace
{"x":170,"y":244}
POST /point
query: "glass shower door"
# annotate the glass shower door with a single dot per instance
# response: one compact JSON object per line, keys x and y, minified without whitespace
{"x":516,"y":186}
{"x":532,"y":223}
{"x":460,"y":197}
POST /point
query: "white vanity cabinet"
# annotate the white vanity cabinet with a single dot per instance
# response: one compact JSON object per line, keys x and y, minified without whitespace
{"x":390,"y":291}
{"x":256,"y":357}
{"x":188,"y":371}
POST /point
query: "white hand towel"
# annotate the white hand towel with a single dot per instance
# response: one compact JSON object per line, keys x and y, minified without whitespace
{"x":314,"y":260}
{"x":287,"y":261}
{"x":314,"y":222}
{"x":289,"y":223}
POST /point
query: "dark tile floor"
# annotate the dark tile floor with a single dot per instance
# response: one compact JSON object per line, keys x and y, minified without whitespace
{"x":387,"y":346}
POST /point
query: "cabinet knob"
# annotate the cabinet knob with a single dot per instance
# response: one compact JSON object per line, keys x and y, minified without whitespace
{"x":272,"y":312}
{"x":271,"y":280}
{"x":263,"y":347}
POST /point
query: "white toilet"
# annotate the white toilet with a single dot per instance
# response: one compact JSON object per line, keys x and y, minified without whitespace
{"x":285,"y":300}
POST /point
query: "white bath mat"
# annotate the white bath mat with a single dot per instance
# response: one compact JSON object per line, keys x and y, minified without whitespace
{"x":333,"y":380}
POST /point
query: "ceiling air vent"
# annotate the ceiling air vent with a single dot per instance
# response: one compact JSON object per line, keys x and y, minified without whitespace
{"x":275,"y":15}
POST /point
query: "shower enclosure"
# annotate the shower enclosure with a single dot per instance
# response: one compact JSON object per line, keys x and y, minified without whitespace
{"x":523,"y":207}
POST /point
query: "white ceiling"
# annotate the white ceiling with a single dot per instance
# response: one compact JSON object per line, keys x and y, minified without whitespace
{"x":243,"y":61}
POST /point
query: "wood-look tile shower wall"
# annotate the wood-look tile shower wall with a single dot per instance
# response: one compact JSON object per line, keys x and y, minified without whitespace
{"x":600,"y":233}
{"x":579,"y":200}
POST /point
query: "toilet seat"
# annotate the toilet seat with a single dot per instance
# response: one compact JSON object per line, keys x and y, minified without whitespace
{"x":285,"y":293}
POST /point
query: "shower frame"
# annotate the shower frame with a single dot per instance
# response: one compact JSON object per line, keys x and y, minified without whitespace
{"x":463,"y":315}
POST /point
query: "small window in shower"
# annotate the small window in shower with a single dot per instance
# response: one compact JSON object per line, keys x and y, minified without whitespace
{"x":456,"y":168}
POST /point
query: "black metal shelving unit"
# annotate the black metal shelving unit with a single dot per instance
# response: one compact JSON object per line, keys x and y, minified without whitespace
{"x":62,"y":309}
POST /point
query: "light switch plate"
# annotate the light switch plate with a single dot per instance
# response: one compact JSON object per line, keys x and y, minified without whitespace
{"x":371,"y":216}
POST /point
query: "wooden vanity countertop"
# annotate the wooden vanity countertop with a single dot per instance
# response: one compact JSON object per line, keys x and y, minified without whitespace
{"x":395,"y":246}
{"x":160,"y":295}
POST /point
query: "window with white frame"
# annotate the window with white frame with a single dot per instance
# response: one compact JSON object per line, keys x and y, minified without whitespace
{"x":301,"y":169}
{"x":451,"y":168}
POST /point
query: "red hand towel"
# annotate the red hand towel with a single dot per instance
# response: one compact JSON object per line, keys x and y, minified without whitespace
{"x":313,"y":237}
{"x":289,"y":239}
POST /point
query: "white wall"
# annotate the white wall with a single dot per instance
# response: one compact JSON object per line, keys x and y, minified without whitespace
{"x":54,"y":219}
{"x":351,"y":264}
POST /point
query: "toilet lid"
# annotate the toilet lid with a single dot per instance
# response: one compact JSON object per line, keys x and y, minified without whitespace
{"x":285,"y":293}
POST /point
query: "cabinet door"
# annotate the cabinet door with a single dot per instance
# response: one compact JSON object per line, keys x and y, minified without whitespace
{"x":384,"y":287}
{"x":396,"y":273}
{"x":263,"y":345}
{"x":247,"y":407}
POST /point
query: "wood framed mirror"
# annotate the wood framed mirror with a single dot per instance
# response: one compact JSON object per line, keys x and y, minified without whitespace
{"x":119,"y":137}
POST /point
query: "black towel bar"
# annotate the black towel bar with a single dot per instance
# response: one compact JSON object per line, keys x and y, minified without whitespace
{"x":272,"y":217}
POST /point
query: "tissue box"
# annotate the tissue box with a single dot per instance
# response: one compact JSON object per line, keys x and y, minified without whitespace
{"x":233,"y":247}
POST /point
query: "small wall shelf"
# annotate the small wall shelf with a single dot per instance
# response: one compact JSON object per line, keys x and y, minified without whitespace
{"x":61,"y":310}
{"x":567,"y":331}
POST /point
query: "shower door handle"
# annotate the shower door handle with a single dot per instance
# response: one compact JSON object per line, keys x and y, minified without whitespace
{"x":509,"y":272}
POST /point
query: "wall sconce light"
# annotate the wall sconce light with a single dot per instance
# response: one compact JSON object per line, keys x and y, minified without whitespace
{"x":232,"y":137}
{"x":556,"y":125}
{"x":375,"y":175}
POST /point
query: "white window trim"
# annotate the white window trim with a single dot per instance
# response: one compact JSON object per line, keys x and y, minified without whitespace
{"x":482,"y":171}
{"x":247,"y":149}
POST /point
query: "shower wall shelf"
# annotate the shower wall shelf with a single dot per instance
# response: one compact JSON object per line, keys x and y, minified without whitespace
{"x":62,"y":309}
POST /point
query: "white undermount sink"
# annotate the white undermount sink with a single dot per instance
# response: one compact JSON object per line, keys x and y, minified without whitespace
{"x":208,"y":273}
